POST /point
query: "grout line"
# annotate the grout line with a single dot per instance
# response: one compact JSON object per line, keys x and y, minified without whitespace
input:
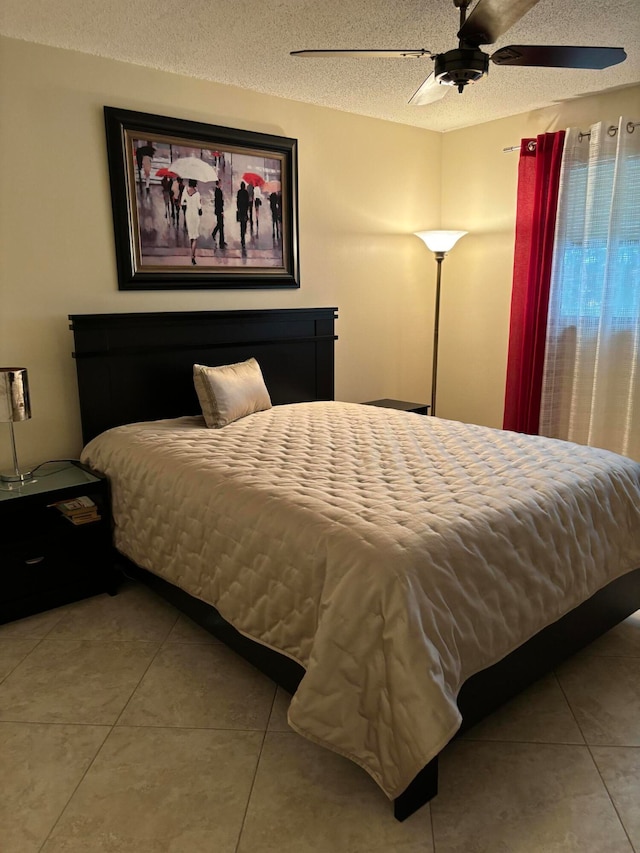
{"x":171,"y":727}
{"x":595,"y":764}
{"x":28,"y":637}
{"x":22,"y":660}
{"x":97,"y":639}
{"x":140,"y":680}
{"x":255,"y":774}
{"x":68,"y":608}
{"x":166,"y":726}
{"x":80,"y":781}
{"x":615,"y":808}
{"x":465,"y":739}
{"x":106,"y":738}
{"x":566,"y":699}
{"x":55,"y":723}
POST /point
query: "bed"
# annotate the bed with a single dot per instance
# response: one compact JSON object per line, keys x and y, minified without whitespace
{"x":401,"y":576}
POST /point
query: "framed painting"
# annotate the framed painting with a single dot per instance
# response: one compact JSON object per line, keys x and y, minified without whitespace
{"x":201,"y":206}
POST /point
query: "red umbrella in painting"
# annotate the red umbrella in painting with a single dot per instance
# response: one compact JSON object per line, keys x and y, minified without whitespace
{"x":164,"y":171}
{"x":253,"y":179}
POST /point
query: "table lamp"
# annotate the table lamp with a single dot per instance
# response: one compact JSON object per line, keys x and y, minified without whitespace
{"x":14,"y":406}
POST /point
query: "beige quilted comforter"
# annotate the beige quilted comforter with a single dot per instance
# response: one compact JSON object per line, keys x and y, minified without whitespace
{"x":392,"y":555}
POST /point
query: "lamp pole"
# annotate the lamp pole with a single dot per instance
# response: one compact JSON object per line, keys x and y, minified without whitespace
{"x":436,"y":325}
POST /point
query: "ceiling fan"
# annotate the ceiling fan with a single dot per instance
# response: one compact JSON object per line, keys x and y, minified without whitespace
{"x":466,"y":64}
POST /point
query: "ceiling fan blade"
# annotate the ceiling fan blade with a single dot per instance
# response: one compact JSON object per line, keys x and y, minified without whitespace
{"x":559,"y":56}
{"x":428,"y":92}
{"x":490,"y":18}
{"x":384,"y":54}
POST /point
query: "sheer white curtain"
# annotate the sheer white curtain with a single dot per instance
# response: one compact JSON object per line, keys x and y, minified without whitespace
{"x":591,"y":385}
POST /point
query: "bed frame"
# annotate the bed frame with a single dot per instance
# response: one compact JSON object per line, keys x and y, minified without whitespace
{"x":135,"y":367}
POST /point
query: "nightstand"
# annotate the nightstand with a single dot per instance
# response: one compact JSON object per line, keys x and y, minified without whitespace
{"x":46,"y":560}
{"x":400,"y":405}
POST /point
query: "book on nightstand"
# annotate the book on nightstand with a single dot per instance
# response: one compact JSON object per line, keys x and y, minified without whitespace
{"x":80,"y":510}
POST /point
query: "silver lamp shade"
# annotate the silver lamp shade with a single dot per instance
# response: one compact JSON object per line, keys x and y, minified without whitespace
{"x":15,"y":405}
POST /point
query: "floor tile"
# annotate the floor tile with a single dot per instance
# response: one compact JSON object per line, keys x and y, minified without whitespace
{"x":540,"y":715}
{"x":502,"y":789}
{"x":13,"y":651}
{"x":205,"y":686}
{"x":37,"y":626}
{"x":604,"y":695}
{"x":187,"y":631}
{"x":278,"y":718}
{"x":41,"y":767}
{"x":135,"y":613}
{"x":74,"y":681}
{"x":161,"y":791}
{"x":620,"y":768}
{"x":307,"y":799}
{"x":523,"y":798}
{"x":621,"y":641}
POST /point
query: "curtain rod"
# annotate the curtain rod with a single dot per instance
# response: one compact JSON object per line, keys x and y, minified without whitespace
{"x":612,"y":130}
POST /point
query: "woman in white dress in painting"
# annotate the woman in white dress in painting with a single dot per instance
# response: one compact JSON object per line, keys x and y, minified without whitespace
{"x":192,"y":209}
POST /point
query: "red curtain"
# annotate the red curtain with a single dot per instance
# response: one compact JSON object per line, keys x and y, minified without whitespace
{"x":538,"y":181}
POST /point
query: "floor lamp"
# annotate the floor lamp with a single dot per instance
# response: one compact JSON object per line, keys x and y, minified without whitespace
{"x":439,"y":242}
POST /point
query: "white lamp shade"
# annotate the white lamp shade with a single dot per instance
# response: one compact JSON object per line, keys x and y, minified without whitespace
{"x":440,"y":241}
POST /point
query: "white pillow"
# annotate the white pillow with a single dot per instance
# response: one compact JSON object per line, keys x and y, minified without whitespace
{"x":230,"y":392}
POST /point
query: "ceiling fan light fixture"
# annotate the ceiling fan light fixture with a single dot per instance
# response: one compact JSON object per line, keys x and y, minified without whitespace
{"x":461,"y":66}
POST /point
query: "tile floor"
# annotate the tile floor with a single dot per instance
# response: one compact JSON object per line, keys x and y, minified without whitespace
{"x":124,"y":727}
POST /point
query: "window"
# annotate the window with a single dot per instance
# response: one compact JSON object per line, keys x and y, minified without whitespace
{"x":598,"y":256}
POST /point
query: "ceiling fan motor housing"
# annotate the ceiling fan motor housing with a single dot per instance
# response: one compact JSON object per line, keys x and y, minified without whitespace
{"x":461,"y":66}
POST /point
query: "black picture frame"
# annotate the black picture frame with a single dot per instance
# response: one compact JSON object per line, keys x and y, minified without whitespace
{"x":154,"y":231}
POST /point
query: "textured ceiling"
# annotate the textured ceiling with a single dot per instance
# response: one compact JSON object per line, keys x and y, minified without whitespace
{"x":247,"y":42}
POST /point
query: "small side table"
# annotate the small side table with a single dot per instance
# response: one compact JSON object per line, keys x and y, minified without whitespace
{"x":400,"y":405}
{"x":48,"y":561}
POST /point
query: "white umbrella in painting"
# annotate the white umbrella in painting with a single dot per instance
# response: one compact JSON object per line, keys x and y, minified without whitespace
{"x":191,"y":168}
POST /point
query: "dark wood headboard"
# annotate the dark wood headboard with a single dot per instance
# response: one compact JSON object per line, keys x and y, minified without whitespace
{"x":139,"y":367}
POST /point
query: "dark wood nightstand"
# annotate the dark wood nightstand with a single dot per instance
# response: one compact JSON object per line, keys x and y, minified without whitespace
{"x":400,"y":405}
{"x":46,"y":560}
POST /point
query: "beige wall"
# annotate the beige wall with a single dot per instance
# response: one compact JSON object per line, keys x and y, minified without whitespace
{"x":364,"y":187}
{"x":479,"y":184}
